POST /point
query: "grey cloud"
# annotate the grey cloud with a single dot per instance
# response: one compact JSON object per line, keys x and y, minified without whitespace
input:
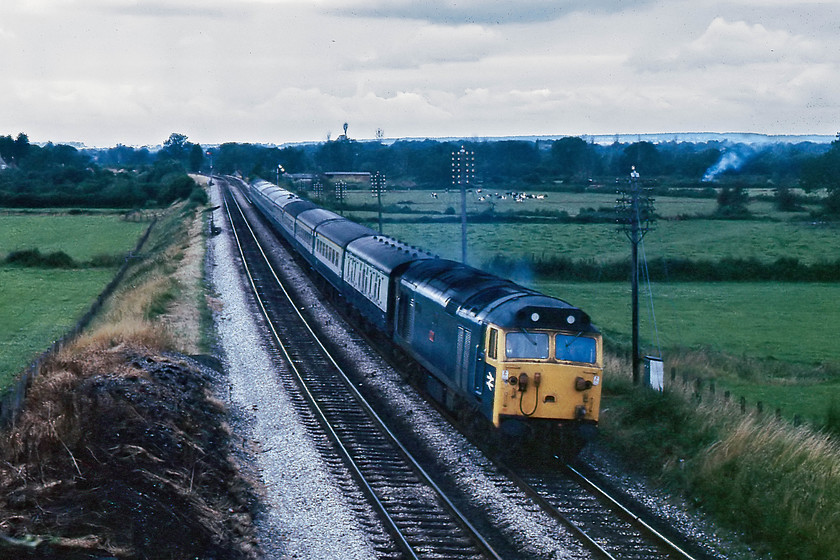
{"x":478,"y":11}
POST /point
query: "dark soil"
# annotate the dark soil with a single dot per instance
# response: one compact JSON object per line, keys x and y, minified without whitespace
{"x":123,"y":453}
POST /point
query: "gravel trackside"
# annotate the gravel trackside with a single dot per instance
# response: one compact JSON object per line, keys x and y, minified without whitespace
{"x":306,"y":515}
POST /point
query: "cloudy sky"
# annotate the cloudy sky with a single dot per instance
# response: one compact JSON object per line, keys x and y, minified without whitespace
{"x":133,"y":71}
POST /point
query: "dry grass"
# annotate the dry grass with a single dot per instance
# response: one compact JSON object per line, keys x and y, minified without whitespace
{"x":158,"y":304}
{"x":120,"y":451}
{"x":777,"y":484}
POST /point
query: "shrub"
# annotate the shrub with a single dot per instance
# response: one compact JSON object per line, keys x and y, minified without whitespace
{"x":32,"y":258}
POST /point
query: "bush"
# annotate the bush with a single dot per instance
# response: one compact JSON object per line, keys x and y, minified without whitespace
{"x":32,"y":258}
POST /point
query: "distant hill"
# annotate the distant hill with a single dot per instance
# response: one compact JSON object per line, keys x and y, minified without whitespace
{"x":655,"y":138}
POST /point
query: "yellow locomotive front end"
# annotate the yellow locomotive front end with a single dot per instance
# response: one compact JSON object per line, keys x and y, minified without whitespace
{"x":545,"y":375}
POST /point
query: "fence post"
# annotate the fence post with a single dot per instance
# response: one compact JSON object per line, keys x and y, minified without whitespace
{"x":759,"y":407}
{"x":743,"y":405}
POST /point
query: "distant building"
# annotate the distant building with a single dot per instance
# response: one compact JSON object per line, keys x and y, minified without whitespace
{"x":352,"y":176}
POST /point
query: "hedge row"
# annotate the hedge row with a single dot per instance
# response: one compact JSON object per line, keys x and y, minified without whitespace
{"x":784,"y":269}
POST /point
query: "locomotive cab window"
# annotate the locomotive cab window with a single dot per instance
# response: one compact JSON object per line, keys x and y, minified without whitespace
{"x":526,"y":345}
{"x":493,"y":345}
{"x":576,"y":348}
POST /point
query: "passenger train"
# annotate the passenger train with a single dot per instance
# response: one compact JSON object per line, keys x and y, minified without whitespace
{"x":528,"y":363}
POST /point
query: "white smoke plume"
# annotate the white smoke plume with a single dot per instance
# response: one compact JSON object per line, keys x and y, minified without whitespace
{"x":728,"y":160}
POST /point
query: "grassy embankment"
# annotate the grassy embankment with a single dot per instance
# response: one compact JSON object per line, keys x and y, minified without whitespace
{"x":162,"y":302}
{"x":777,"y":484}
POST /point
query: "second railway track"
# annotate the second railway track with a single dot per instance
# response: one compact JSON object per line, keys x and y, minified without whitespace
{"x":418,"y":514}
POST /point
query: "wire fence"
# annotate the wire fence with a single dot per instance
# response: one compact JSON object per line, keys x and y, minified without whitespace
{"x":13,"y":397}
{"x":707,"y":389}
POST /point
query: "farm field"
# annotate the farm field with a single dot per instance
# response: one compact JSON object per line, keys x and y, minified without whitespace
{"x":29,"y":321}
{"x":790,"y":322}
{"x":694,"y":239}
{"x":80,"y":236}
{"x":435,"y":203}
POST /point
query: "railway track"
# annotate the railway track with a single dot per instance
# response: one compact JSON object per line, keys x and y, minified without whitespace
{"x":600,"y":520}
{"x":422,"y":521}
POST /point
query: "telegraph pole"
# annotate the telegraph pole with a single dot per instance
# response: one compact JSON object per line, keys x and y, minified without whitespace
{"x":635,"y":214}
{"x":463,"y":173}
{"x":340,"y":195}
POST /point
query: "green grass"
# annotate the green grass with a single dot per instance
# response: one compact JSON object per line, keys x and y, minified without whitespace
{"x":789,"y":329}
{"x":692,"y":239}
{"x":81,"y":236}
{"x":571,"y":202}
{"x":787,"y":322}
{"x":39,"y":306}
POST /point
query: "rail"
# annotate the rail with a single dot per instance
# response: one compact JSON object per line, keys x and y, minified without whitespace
{"x":324,"y":404}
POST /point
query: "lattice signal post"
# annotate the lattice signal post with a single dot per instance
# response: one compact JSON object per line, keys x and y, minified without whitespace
{"x":635,"y":216}
{"x":463,"y":174}
{"x":377,"y":187}
{"x":340,"y":194}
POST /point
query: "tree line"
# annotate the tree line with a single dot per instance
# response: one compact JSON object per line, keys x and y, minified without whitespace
{"x":713,"y":169}
{"x":63,"y":176}
{"x":127,"y":176}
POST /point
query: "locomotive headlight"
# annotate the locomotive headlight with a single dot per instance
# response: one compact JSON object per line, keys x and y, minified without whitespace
{"x":570,"y":319}
{"x":535,"y":317}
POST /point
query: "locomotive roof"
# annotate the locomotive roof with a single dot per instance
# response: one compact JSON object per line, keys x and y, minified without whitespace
{"x":480,"y":296}
{"x":343,"y":231}
{"x":385,"y":253}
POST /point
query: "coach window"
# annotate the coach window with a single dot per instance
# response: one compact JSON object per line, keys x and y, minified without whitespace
{"x":493,"y":345}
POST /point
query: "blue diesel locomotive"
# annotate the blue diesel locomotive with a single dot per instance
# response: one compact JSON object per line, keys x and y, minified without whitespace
{"x":527,"y":362}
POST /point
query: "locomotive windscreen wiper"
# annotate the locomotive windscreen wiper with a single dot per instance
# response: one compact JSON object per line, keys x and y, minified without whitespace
{"x":574,"y":338}
{"x":528,"y":336}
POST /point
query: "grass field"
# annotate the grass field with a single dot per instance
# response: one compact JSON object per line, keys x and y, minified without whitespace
{"x":786,"y":322}
{"x":694,"y":239}
{"x":80,"y":236}
{"x":38,"y":305}
{"x":31,"y":321}
{"x":667,"y":206}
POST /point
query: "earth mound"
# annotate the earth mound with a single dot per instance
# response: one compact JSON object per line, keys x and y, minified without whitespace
{"x":123,"y":453}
